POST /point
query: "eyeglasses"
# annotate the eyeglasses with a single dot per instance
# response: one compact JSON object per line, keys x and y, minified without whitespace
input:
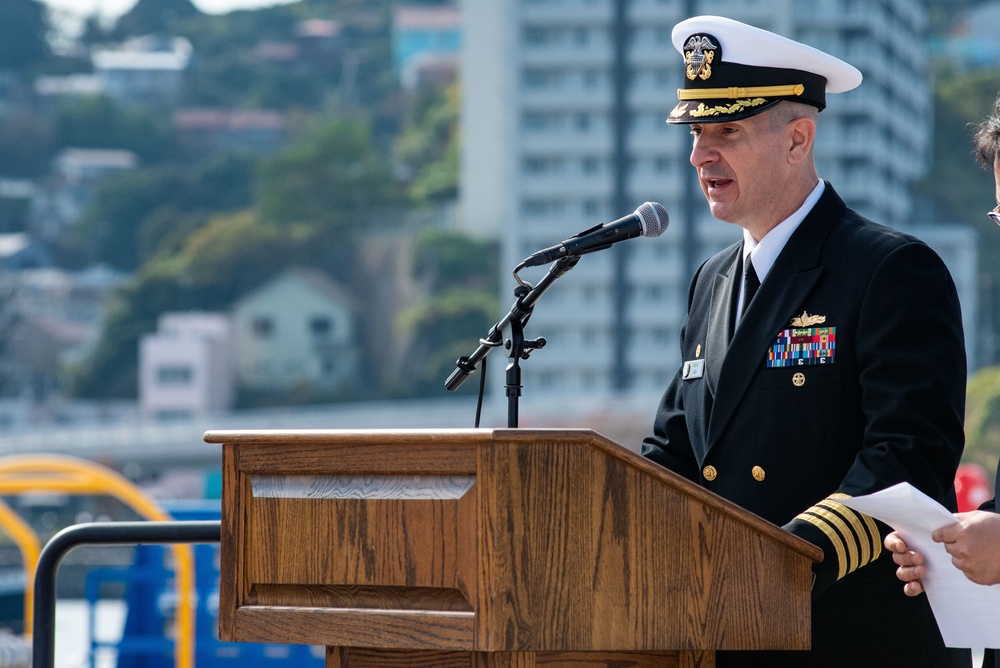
{"x":995,"y":214}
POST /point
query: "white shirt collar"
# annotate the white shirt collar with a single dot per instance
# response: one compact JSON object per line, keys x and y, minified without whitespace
{"x":766,"y":251}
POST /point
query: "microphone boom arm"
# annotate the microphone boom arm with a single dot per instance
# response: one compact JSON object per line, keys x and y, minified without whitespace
{"x":519,"y":312}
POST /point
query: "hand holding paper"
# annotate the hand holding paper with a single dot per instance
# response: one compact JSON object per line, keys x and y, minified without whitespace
{"x":967,"y":614}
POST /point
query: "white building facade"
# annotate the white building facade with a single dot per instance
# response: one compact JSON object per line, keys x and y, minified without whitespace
{"x":297,"y":329}
{"x":541,"y":154}
{"x":186,"y":368}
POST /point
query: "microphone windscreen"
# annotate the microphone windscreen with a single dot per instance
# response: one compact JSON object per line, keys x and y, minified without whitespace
{"x":654,"y":218}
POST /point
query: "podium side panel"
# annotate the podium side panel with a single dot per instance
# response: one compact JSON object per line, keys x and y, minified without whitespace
{"x":582,"y":551}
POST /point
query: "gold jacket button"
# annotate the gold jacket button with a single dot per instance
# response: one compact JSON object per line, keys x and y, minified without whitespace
{"x":757,"y":473}
{"x":799,"y":379}
{"x":709,"y":472}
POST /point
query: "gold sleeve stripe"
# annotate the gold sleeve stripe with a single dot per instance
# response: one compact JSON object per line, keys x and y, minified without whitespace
{"x":734,"y":92}
{"x":873,"y":531}
{"x":876,"y":536}
{"x":850,"y":541}
{"x":835,"y":539}
{"x":863,"y":537}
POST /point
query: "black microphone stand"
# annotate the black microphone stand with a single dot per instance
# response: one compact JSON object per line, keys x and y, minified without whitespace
{"x":517,"y":347}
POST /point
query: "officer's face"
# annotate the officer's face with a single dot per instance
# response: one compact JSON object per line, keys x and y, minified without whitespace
{"x":744,"y":171}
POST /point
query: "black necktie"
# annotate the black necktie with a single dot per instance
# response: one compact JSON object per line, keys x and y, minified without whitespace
{"x":750,"y":285}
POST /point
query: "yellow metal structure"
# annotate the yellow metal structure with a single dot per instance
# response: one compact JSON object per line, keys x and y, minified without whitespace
{"x":21,"y":474}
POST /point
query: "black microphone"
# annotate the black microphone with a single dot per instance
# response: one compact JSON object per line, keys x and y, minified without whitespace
{"x":648,"y":220}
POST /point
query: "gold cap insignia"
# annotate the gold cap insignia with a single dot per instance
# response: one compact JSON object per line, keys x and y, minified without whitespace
{"x":806,"y":320}
{"x":699,"y":52}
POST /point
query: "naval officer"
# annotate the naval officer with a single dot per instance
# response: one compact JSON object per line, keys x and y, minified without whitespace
{"x":823,"y":354}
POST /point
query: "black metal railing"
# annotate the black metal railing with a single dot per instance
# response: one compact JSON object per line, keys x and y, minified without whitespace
{"x":97,"y":533}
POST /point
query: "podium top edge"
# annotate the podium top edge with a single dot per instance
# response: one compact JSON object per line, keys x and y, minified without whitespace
{"x":444,"y":435}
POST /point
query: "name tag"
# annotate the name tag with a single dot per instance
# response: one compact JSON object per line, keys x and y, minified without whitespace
{"x":693,"y":369}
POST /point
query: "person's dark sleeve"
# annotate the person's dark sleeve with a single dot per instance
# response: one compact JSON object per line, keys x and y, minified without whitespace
{"x":669,"y":445}
{"x":912,"y":376}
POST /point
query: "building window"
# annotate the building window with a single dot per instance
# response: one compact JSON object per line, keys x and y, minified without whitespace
{"x":536,"y":36}
{"x":173,"y":375}
{"x":534,"y":165}
{"x":320,"y":326}
{"x":540,"y":121}
{"x":173,"y":415}
{"x":262,"y":327}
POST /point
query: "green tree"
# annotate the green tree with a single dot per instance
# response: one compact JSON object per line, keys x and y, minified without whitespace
{"x":461,"y":272}
{"x":957,"y":184}
{"x":230,"y":256}
{"x":441,"y":329}
{"x":98,"y":122}
{"x":154,"y":16}
{"x":982,"y":419}
{"x":428,"y":146}
{"x":22,"y":34}
{"x":336,"y":182}
{"x":26,"y":145}
{"x":139,"y":214}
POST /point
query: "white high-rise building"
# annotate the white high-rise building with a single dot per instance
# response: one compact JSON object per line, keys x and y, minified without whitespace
{"x":540,"y":81}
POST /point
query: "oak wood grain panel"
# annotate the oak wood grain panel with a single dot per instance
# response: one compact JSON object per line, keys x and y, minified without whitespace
{"x":359,"y":628}
{"x":504,"y":660}
{"x":564,"y":542}
{"x":586,"y":552}
{"x":591,"y":439}
{"x":358,"y":436}
{"x":369,"y":598}
{"x":343,"y":657}
{"x":361,"y":451}
{"x":387,"y":542}
{"x":607,"y":659}
{"x":696,"y":660}
{"x":360,"y":657}
{"x":230,"y":546}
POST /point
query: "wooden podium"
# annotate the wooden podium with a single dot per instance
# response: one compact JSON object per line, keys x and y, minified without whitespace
{"x":486,"y":548}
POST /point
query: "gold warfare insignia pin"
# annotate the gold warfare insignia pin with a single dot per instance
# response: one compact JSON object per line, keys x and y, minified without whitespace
{"x":806,"y":320}
{"x":699,"y":52}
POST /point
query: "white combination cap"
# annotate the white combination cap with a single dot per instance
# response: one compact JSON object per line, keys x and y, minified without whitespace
{"x":733,"y":70}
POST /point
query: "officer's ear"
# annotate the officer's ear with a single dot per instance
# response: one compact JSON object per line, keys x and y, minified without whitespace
{"x":800,"y":133}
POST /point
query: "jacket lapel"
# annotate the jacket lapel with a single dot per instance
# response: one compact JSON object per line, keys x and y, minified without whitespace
{"x":786,"y":286}
{"x":720,"y":323}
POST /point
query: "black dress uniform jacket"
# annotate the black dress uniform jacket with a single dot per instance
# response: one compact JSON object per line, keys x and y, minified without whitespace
{"x":885,"y":406}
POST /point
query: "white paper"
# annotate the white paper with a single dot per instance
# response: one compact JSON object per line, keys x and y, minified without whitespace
{"x":968,"y":614}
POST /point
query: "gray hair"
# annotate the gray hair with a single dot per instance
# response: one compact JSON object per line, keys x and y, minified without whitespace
{"x":787,"y":111}
{"x":986,"y":141}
